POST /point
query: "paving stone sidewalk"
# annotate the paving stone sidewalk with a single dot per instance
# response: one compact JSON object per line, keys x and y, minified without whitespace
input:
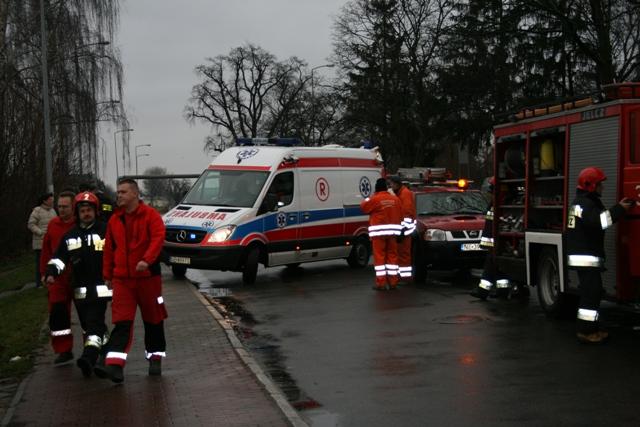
{"x":204,"y":381}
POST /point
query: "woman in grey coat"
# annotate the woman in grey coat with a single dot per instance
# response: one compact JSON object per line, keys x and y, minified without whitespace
{"x":37,"y":224}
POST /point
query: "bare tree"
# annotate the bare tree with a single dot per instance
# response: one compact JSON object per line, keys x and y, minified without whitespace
{"x":84,"y":76}
{"x":246,"y":93}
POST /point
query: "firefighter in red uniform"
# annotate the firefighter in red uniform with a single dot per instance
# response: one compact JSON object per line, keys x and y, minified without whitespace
{"x":59,"y":291}
{"x":82,"y":248}
{"x":408,"y":202}
{"x":587,"y":220}
{"x":135,"y":235}
{"x":385,"y":218}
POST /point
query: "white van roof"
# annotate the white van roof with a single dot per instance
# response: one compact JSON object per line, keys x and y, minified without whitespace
{"x":269,"y":158}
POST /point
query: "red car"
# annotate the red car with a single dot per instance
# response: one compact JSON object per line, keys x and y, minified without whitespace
{"x":450,"y":221}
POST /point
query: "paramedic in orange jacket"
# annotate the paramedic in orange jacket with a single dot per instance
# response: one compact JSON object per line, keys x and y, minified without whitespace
{"x":408,"y":202}
{"x":131,"y":263}
{"x":59,"y":292}
{"x":385,"y":217}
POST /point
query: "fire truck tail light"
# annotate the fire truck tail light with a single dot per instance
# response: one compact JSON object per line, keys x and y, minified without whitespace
{"x":435,"y":235}
{"x":462,"y":183}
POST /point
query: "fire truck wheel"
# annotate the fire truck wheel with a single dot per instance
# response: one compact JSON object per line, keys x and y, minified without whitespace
{"x":250,"y":270}
{"x":553,"y":302}
{"x":360,"y":253}
{"x":178,"y":271}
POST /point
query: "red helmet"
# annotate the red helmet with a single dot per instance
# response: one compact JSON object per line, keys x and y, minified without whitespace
{"x":589,"y":178}
{"x":86,"y":197}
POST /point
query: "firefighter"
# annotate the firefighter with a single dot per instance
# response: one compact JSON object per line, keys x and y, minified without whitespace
{"x":489,"y":273}
{"x":135,"y":235}
{"x":385,"y":218}
{"x":82,"y":249}
{"x":408,"y":202}
{"x":586,"y":223}
{"x":59,"y":294}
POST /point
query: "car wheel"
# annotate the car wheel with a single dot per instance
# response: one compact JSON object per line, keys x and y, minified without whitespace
{"x":179,"y":271}
{"x":250,"y":270}
{"x":360,"y":253}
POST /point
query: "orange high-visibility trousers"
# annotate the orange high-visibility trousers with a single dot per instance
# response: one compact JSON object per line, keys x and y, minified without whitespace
{"x":385,"y":260}
{"x":405,"y":258}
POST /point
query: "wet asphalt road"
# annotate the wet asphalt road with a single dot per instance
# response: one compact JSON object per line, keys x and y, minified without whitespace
{"x":428,"y":355}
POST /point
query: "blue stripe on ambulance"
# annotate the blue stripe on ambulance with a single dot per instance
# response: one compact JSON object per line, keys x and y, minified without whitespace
{"x":270,"y":222}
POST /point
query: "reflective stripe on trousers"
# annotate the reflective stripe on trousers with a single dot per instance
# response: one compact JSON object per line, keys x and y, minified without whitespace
{"x":587,"y":315}
{"x":585,"y":261}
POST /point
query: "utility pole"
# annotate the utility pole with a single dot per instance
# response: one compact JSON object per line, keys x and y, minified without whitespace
{"x":48,"y":158}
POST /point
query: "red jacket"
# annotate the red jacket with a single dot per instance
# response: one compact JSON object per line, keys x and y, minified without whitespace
{"x":55,"y":232}
{"x":385,"y":214}
{"x":132,"y":238}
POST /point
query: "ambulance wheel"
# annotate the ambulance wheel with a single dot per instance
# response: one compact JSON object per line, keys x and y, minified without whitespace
{"x":250,"y":270}
{"x":552,"y":301}
{"x":360,"y":254}
{"x":179,"y":271}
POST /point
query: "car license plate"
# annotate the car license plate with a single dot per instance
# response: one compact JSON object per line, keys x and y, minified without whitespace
{"x":179,"y":260}
{"x":470,"y":247}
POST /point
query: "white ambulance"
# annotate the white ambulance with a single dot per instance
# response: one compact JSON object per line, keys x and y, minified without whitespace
{"x":276,"y":203}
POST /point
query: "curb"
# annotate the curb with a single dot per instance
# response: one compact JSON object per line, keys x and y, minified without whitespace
{"x":272,"y":390}
{"x":14,"y":402}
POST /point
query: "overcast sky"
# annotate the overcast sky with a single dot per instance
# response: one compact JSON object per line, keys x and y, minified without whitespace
{"x":162,"y":41}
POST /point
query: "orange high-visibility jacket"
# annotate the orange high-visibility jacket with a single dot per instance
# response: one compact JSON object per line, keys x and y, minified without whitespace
{"x":408,"y":202}
{"x":385,"y":214}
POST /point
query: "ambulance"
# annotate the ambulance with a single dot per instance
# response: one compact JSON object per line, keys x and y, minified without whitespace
{"x":277,"y":203}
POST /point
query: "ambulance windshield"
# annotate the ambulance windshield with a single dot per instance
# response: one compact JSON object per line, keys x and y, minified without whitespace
{"x":236,"y":188}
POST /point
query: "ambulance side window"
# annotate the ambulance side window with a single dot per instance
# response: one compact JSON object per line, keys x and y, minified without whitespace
{"x":280,"y":190}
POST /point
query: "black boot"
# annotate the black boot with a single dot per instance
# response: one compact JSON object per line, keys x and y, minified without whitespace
{"x":63,"y":358}
{"x":155,"y":366}
{"x":87,"y":361}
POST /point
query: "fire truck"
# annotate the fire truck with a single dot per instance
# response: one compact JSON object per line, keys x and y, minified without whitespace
{"x":538,"y":155}
{"x":450,"y":218}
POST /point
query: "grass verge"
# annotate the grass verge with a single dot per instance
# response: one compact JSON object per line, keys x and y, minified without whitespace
{"x":16,"y":272}
{"x":21,"y":318}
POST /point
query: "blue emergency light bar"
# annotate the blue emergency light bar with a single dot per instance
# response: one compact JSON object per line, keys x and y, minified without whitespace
{"x":278,"y":142}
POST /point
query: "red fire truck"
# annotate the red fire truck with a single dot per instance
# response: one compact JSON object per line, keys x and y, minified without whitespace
{"x":538,"y":155}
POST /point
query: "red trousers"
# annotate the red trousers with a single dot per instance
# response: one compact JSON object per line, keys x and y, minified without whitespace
{"x":59,"y":297}
{"x":404,"y":258}
{"x":128,"y":294}
{"x":385,"y":260}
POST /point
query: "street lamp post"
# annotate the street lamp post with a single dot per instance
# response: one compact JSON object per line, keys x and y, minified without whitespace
{"x":140,"y":155}
{"x":313,"y":102}
{"x":115,"y":149}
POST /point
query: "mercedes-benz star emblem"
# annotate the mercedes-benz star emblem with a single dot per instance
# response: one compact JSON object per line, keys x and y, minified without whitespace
{"x":181,"y":236}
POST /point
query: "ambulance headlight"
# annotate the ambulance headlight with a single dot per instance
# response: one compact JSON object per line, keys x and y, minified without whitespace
{"x":435,"y":234}
{"x":221,"y":234}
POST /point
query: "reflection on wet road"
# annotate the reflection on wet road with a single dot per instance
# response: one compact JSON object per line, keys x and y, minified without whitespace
{"x":426,"y":355}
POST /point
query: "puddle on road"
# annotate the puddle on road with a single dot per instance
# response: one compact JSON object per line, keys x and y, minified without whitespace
{"x":266,"y":350}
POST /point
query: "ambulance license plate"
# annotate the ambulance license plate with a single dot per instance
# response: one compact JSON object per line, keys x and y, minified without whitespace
{"x":179,"y":260}
{"x":470,"y":247}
